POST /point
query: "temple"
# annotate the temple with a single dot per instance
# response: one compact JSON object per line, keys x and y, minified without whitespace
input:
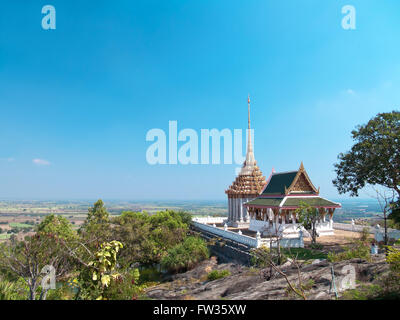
{"x":274,"y":210}
{"x":247,"y":186}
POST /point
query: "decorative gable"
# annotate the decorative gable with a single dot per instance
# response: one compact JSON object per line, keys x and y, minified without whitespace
{"x":301,"y":183}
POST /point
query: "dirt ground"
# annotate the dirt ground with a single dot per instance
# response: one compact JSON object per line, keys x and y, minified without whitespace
{"x":341,"y":237}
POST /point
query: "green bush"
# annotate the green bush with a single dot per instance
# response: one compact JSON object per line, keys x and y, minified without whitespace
{"x":186,"y":255}
{"x":218,"y":274}
{"x":358,"y":249}
{"x":13,"y":290}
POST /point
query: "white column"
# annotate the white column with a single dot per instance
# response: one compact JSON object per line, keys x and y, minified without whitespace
{"x":293,"y":218}
{"x":273,"y":220}
{"x":241,"y":209}
{"x":277,"y":224}
{"x":229,"y":209}
{"x":245,"y":213}
{"x":235,"y":204}
{"x":238,"y":209}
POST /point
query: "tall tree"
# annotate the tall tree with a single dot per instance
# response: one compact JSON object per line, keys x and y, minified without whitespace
{"x":97,"y":228}
{"x":374,"y":159}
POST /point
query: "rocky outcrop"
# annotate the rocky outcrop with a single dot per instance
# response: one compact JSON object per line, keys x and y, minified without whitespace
{"x":246,"y":283}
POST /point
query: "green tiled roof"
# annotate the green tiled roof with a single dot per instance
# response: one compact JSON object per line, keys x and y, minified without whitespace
{"x":271,"y":202}
{"x":279,"y":181}
{"x":314,"y":202}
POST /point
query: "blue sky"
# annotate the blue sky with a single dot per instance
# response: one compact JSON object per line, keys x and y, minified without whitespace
{"x":76,"y":102}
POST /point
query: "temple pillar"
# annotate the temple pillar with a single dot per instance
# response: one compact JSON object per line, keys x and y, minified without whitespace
{"x":247,"y":212}
{"x":237,"y":209}
{"x":283,"y":216}
{"x":229,"y":209}
{"x":331,"y":211}
{"x":241,"y":209}
{"x":293,"y":218}
{"x":233,"y":209}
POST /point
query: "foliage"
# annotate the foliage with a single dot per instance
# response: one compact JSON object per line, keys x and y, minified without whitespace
{"x":58,"y":226}
{"x":358,"y":249}
{"x":27,"y":259}
{"x":100,"y":272}
{"x":375,"y":157}
{"x":15,"y":290}
{"x":308,"y":217}
{"x":186,"y":255}
{"x":394,"y":215}
{"x":363,"y":292}
{"x":148,"y":238}
{"x":86,"y":261}
{"x":218,"y":274}
{"x":393,"y":258}
{"x":96,"y":228}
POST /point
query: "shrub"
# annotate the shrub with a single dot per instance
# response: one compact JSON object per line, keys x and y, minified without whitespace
{"x":186,"y":255}
{"x":218,"y":274}
{"x":15,"y":290}
{"x":393,"y":258}
{"x":358,"y":249}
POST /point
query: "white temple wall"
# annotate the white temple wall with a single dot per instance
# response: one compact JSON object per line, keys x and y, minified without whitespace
{"x":289,"y":230}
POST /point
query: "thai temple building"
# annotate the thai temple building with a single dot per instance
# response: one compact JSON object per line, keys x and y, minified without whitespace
{"x":248,"y":185}
{"x":274,"y":210}
{"x":261,"y":210}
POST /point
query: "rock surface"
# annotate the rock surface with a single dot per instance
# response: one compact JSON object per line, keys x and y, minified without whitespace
{"x":250,"y":283}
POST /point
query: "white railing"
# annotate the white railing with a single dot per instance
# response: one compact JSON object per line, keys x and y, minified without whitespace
{"x":250,"y":241}
{"x":210,"y":219}
{"x":351,"y":227}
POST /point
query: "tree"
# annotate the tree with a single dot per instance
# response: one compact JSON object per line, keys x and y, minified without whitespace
{"x":98,"y":273}
{"x":386,"y":200}
{"x":56,"y":225}
{"x":308,"y":218}
{"x":374,"y":160}
{"x":147,"y":238}
{"x":395,"y":213}
{"x":375,"y":157}
{"x":29,"y":260}
{"x":97,"y":214}
{"x":96,"y":229}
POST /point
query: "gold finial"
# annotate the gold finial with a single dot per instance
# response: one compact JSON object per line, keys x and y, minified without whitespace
{"x":301,"y":166}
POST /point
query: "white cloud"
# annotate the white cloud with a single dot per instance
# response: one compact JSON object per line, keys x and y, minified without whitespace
{"x":350,"y":91}
{"x":41,"y":162}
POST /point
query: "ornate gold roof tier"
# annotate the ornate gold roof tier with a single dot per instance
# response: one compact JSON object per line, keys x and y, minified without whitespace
{"x":247,"y":185}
